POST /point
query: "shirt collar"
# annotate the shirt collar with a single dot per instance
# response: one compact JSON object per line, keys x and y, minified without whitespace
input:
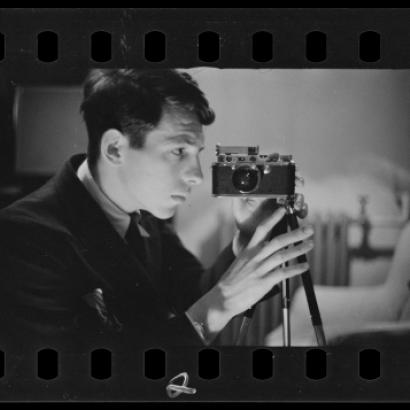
{"x":119,"y":219}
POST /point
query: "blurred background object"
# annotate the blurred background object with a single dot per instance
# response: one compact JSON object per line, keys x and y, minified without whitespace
{"x":348,"y":131}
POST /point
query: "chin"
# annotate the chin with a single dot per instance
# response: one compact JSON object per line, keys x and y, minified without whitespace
{"x":164,"y":213}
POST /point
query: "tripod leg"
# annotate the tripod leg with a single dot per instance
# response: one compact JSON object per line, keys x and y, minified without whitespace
{"x":285,"y":296}
{"x":309,"y":289}
{"x":281,"y":227}
{"x":243,"y":330}
{"x":313,"y":306}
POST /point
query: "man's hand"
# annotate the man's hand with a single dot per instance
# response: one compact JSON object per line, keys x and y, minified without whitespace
{"x":260,"y":264}
{"x":250,"y":212}
{"x":257,"y":268}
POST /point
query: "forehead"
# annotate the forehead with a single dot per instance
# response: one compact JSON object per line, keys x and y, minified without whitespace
{"x":178,"y":125}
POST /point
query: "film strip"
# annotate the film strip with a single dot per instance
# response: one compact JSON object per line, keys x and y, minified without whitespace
{"x":44,"y":51}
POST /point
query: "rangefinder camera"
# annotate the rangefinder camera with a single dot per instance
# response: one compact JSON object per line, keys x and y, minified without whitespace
{"x":242,"y":171}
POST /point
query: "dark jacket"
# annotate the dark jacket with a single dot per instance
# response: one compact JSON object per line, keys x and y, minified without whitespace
{"x":68,"y":278}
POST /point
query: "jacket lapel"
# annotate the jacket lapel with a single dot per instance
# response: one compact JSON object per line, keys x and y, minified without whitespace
{"x":100,"y":245}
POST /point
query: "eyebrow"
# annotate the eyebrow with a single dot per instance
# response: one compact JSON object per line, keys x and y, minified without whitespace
{"x":183,"y":138}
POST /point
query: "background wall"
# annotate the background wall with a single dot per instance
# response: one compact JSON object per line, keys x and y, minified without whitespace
{"x":349,"y":132}
{"x":49,"y":127}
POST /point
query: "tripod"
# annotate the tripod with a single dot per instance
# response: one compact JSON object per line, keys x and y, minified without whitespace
{"x":292,"y":224}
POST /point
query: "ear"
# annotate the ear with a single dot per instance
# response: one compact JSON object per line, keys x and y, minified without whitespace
{"x":112,"y":146}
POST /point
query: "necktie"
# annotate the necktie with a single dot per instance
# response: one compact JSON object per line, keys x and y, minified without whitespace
{"x":135,"y":240}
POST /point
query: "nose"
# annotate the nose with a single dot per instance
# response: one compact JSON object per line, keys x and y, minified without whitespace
{"x":194,"y":174}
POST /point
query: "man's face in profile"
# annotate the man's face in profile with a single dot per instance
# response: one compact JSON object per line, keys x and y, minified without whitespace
{"x":160,"y":175}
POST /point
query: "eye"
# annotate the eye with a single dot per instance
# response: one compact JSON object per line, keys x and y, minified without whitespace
{"x":179,"y":152}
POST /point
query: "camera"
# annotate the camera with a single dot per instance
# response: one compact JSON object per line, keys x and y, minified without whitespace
{"x":242,"y":171}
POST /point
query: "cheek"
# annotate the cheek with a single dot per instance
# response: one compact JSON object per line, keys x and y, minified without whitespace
{"x":153,"y":176}
{"x":163,"y":171}
{"x":133,"y":176}
{"x":160,"y":178}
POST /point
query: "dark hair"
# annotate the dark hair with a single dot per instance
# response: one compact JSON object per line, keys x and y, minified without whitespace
{"x":132,"y":101}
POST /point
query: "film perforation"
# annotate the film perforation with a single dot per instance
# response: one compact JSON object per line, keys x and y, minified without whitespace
{"x":208,"y":46}
{"x":101,"y":364}
{"x":316,"y":364}
{"x":208,"y":364}
{"x":316,"y":50}
{"x":369,"y":46}
{"x":154,"y":364}
{"x":369,"y":364}
{"x":262,"y":46}
{"x":262,"y":364}
{"x":155,"y":46}
{"x":47,"y":46}
{"x":101,"y":46}
{"x":47,"y":364}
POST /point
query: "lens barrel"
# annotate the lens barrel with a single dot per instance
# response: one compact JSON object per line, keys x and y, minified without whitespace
{"x":246,"y":179}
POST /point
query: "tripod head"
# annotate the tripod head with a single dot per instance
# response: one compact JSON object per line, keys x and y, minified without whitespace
{"x":294,"y":204}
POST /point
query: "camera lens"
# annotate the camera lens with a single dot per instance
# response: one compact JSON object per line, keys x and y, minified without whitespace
{"x":245,"y":179}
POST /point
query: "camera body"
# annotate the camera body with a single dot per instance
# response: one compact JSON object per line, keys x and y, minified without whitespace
{"x":242,"y":171}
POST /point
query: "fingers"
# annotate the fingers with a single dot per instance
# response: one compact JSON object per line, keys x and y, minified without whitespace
{"x":278,"y":275}
{"x":264,"y":228}
{"x":285,"y":255}
{"x":284,"y":240}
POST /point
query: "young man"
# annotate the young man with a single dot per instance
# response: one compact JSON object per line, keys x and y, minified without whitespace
{"x":89,"y":258}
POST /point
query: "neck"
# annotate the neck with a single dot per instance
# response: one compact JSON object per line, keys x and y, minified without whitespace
{"x":110,"y":185}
